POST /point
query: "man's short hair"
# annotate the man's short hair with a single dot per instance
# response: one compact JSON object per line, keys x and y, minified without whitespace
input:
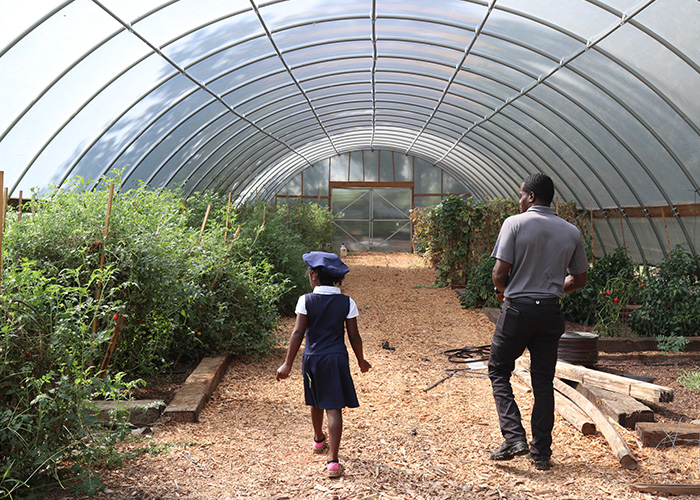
{"x":540,"y":184}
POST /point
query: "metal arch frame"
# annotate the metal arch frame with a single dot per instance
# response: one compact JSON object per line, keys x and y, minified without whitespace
{"x":251,"y":98}
{"x":273,"y":187}
{"x":642,"y":164}
{"x":352,"y":83}
{"x":154,"y":51}
{"x":458,"y":67}
{"x":89,"y":100}
{"x":288,"y":68}
{"x":585,"y":184}
{"x":403,"y":83}
{"x":322,"y":60}
{"x":500,"y":149}
{"x":219,"y":50}
{"x":19,"y":38}
{"x":644,"y":124}
{"x":615,"y":136}
{"x":46,"y":89}
{"x":146,"y":128}
{"x":563,"y":161}
{"x":670,"y":151}
{"x":187,"y":75}
{"x":612,"y":165}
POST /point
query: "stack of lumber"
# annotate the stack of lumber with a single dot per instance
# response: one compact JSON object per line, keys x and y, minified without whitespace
{"x":593,"y":400}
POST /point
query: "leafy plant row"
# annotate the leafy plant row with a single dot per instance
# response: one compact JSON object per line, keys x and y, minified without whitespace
{"x":164,"y":284}
{"x":457,"y":237}
{"x":621,"y":297}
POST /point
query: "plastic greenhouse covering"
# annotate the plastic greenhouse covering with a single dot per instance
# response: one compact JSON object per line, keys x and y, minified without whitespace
{"x":242,"y":95}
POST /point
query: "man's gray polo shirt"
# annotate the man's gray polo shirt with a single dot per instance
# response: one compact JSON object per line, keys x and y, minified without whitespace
{"x":542,"y":248}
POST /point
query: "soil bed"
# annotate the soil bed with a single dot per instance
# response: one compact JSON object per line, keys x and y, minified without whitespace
{"x":254,"y":437}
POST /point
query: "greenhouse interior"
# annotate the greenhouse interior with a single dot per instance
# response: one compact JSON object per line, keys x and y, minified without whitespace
{"x":165,"y":163}
{"x":249,"y":97}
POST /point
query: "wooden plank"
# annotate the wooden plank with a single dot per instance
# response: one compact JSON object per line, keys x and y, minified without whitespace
{"x":673,"y":434}
{"x":564,"y":407}
{"x":615,"y":441}
{"x":636,"y":344}
{"x":189,"y":401}
{"x":669,"y":489}
{"x":617,"y":444}
{"x":637,"y":389}
{"x":657,"y":211}
{"x":623,"y":409}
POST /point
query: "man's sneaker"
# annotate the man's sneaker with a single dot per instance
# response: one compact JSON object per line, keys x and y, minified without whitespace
{"x":508,"y":451}
{"x":541,"y":461}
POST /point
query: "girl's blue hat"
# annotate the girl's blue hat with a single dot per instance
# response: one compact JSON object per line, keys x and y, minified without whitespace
{"x":329,"y":263}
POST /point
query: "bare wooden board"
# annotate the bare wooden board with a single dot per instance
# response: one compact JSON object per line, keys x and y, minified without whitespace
{"x":670,"y":489}
{"x":623,"y":409}
{"x":641,"y":390}
{"x":197,"y":389}
{"x":658,"y":434}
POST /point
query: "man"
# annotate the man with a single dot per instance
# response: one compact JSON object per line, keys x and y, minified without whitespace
{"x":539,"y":257}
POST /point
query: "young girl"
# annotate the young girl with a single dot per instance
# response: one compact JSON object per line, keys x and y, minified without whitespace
{"x":323,"y":316}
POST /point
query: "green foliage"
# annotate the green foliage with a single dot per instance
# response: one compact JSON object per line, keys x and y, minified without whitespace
{"x":167,"y":291}
{"x":479,"y":288}
{"x":690,"y":379}
{"x":455,"y":234}
{"x":610,"y":303}
{"x":279,"y":236}
{"x":590,"y":303}
{"x":672,"y":344}
{"x":671,"y":298}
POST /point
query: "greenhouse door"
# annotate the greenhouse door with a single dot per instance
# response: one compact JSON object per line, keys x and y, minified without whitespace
{"x":374,"y":218}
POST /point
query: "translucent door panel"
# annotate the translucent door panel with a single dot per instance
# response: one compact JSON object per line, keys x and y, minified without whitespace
{"x":372,"y":218}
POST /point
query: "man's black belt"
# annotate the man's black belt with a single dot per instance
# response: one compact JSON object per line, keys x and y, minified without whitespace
{"x":540,"y":302}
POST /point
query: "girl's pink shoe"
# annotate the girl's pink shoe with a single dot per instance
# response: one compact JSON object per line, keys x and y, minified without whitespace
{"x":322,"y":446}
{"x":334,"y":469}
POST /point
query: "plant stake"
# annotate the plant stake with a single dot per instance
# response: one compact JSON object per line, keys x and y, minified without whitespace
{"x":228,"y":211}
{"x":102,"y":265}
{"x":204,"y":223}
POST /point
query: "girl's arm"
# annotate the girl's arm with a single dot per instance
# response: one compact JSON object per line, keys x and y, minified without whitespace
{"x":294,"y":343}
{"x":356,"y":343}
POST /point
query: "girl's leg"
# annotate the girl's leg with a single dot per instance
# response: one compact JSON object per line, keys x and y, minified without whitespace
{"x":335,"y":429}
{"x":317,"y":422}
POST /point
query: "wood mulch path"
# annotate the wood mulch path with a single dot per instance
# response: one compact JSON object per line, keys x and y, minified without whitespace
{"x":253,"y":439}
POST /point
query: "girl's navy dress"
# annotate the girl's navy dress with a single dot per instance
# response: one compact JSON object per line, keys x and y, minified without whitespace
{"x":325,"y":366}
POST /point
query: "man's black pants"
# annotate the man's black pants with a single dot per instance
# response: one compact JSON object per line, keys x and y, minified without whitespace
{"x":536,"y":327}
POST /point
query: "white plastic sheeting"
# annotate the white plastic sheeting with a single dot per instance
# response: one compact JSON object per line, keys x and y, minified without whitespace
{"x":240,"y":95}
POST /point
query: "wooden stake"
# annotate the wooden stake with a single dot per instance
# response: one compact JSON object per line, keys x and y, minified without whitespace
{"x":102,"y":264}
{"x":228,"y":211}
{"x":235,"y":237}
{"x":668,"y":240}
{"x":19,"y":207}
{"x":110,"y":349}
{"x":592,"y":240}
{"x":204,"y":223}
